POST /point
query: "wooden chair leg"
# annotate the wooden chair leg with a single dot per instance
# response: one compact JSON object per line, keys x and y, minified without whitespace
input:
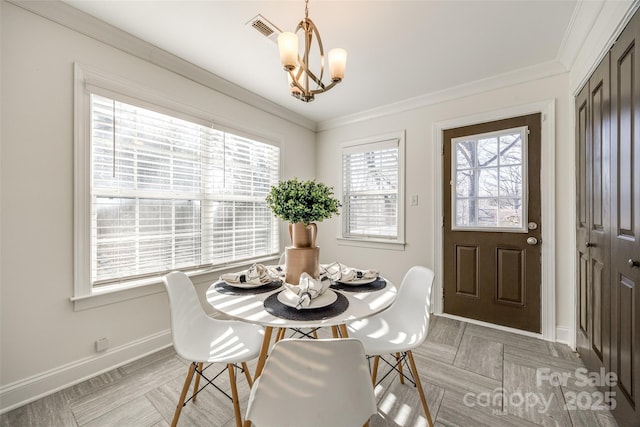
{"x":416,"y":378}
{"x":374,"y":371}
{"x":315,"y":334}
{"x":399,"y":364}
{"x":280,"y":334}
{"x":234,"y":394}
{"x":263,"y":351}
{"x":247,"y":374}
{"x":343,"y":331}
{"x":183,"y":394}
{"x":334,"y":332}
{"x":197,"y":383}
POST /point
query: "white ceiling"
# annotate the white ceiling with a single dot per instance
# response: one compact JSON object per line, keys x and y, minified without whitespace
{"x":397,"y":50}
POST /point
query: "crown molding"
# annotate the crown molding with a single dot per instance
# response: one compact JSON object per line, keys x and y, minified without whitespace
{"x":83,"y":23}
{"x":582,"y":21}
{"x":611,"y":20}
{"x":535,"y":72}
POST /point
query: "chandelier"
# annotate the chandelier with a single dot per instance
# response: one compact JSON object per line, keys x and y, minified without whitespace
{"x":303,"y":82}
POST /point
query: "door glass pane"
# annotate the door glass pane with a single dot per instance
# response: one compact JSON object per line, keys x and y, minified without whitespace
{"x":465,"y":186}
{"x":488,"y":182}
{"x":487,"y":152}
{"x":490,"y":185}
{"x":466,"y":212}
{"x":465,"y":154}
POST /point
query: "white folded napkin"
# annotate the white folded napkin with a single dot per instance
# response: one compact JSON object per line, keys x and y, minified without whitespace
{"x":341,"y":273}
{"x":277,"y":270}
{"x":257,"y":274}
{"x":307,"y":289}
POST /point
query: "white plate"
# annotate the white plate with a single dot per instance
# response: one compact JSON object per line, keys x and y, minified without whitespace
{"x":245,"y":285}
{"x":358,"y":282}
{"x":289,"y":298}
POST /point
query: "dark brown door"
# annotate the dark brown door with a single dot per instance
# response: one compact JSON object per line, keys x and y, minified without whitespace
{"x":625,"y":224}
{"x":593,"y":219}
{"x":492,"y":223}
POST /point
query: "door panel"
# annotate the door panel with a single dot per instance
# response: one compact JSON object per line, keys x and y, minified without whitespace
{"x":593,"y":218}
{"x":467,"y":271}
{"x":625,"y":223}
{"x":493,"y":276}
{"x":511,"y":276}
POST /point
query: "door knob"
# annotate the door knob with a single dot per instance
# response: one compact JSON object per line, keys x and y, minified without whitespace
{"x":590,"y":245}
{"x":633,"y":263}
{"x":532,"y":241}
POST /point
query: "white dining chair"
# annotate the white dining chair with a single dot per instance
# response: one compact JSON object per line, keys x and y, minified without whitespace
{"x":399,"y":329}
{"x":200,"y":339}
{"x":313,"y":383}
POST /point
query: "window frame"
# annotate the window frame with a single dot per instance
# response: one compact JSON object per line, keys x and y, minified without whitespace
{"x":89,"y":80}
{"x":362,"y":145}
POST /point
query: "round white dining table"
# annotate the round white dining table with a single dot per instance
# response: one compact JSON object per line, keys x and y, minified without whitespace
{"x":249,"y":306}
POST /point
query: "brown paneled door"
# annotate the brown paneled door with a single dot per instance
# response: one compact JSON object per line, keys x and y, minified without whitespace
{"x":625,"y":223}
{"x":492,"y":223}
{"x":593,"y":233}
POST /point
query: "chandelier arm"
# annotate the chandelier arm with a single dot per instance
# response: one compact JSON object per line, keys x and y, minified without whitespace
{"x":325,"y":88}
{"x":314,"y":30}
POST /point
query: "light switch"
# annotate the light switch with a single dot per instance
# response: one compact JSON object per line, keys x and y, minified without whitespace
{"x":414,"y":200}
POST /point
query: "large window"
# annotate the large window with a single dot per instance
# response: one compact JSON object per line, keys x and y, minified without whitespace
{"x":168,"y":192}
{"x":372,"y":194}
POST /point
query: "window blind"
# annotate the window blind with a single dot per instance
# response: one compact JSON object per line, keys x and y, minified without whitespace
{"x":169,"y":193}
{"x":370,"y":190}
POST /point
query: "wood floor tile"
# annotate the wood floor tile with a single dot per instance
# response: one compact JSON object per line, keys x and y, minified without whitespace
{"x":210,"y":408}
{"x":151,"y":359}
{"x":508,"y":338}
{"x":539,"y":360}
{"x":108,"y":398}
{"x":50,"y":411}
{"x":92,"y":385}
{"x":529,"y":398}
{"x":462,"y":410}
{"x":481,"y":356}
{"x":137,"y":412}
{"x":445,"y":331}
{"x":452,"y":377}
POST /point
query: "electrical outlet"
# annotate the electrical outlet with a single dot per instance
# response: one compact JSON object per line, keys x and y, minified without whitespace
{"x":102,"y":344}
{"x":414,"y":200}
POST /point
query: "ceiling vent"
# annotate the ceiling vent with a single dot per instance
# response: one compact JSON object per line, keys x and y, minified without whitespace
{"x":264,"y":27}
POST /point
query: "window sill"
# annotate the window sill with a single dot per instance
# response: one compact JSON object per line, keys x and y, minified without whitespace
{"x":141,"y":288}
{"x":372,"y":243}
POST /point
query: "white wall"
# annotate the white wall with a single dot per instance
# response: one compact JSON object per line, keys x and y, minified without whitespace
{"x":45,"y":343}
{"x":420,"y":164}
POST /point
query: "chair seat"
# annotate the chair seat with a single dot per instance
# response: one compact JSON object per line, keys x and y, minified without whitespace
{"x":220,"y":341}
{"x":378,"y":336}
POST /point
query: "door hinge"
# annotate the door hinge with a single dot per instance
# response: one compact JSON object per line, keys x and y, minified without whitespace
{"x":442,"y":148}
{"x":442,"y":222}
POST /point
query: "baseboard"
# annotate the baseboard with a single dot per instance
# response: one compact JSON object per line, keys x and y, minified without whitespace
{"x":563,"y":335}
{"x":37,"y":386}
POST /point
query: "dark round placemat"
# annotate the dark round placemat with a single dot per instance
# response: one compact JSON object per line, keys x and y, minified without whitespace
{"x":278,"y":309}
{"x":227,"y":289}
{"x":376,"y":285}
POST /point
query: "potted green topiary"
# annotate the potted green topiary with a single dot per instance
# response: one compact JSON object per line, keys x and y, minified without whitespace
{"x":301,"y":204}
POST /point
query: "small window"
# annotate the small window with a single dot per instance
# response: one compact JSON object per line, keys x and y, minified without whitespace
{"x":372,"y":189}
{"x":164,"y":191}
{"x":489,"y":181}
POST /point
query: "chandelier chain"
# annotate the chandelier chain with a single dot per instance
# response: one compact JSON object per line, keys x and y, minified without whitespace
{"x":306,"y":9}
